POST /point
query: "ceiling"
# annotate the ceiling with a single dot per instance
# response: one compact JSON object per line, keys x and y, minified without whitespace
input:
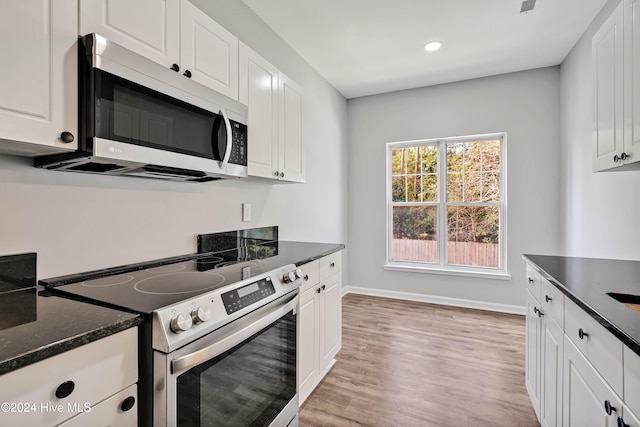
{"x":366,"y":47}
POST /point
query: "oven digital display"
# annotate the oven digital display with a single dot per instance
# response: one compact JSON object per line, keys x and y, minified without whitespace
{"x":240,"y":298}
{"x":249,"y":289}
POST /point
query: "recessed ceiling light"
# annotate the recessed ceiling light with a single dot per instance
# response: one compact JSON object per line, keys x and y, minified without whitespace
{"x":432,"y":46}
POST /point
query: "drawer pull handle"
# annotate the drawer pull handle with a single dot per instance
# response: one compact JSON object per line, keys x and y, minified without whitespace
{"x":65,"y":389}
{"x":608,"y":408}
{"x":583,"y":334}
{"x":548,"y":299}
{"x":127,"y":403}
{"x":621,"y":423}
{"x":530,"y":280}
{"x":538,"y":312}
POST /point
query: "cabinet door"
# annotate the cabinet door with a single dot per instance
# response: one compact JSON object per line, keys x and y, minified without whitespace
{"x":149,"y":27}
{"x":259,"y":91}
{"x":551,"y":374}
{"x":291,"y":153}
{"x":632,"y":80}
{"x":532,"y":355}
{"x":208,"y":51}
{"x":330,"y":321}
{"x":38,"y":79}
{"x":308,"y":342}
{"x":120,"y":410}
{"x":607,"y":56}
{"x":585,"y":392}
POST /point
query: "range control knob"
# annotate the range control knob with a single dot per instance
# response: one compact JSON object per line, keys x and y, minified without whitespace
{"x":181,"y":323}
{"x":298,"y":273}
{"x":200,"y":315}
{"x":289,"y":277}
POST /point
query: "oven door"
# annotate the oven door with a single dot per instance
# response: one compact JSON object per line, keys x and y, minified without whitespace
{"x":243,"y":374}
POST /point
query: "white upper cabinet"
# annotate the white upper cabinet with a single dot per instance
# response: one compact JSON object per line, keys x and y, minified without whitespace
{"x":616,"y":95}
{"x":259,"y":91}
{"x":291,"y":166}
{"x":208,"y":51}
{"x":275,"y":119}
{"x":148,"y":27}
{"x":173,"y":33}
{"x":38,"y":82}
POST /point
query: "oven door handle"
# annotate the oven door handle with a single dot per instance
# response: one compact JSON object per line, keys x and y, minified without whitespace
{"x":188,"y":361}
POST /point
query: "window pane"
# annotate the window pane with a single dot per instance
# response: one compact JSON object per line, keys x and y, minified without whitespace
{"x":491,"y":187}
{"x":472,"y":187}
{"x":430,"y":188}
{"x":473,"y":235}
{"x":413,"y":188}
{"x":415,"y":233}
{"x":491,"y":156}
{"x":398,"y":162}
{"x":398,"y":189}
{"x":455,"y":157}
{"x":454,"y":187}
{"x":430,"y":159}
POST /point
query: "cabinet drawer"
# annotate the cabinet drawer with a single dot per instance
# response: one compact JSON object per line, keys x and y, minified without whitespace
{"x":119,"y":410}
{"x":330,"y":264}
{"x":60,"y":386}
{"x":310,"y":275}
{"x":632,"y":380}
{"x":552,"y":301}
{"x":533,"y":282}
{"x":600,"y":347}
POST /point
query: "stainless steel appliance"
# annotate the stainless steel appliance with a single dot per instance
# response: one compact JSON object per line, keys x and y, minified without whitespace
{"x":138,"y":118}
{"x":221,"y":332}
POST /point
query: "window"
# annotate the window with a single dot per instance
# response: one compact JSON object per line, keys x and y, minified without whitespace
{"x":453,"y":187}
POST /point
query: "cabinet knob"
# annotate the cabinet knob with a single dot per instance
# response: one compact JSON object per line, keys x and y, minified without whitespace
{"x":530,"y":280}
{"x":281,"y":174}
{"x":624,"y":156}
{"x":276,"y":173}
{"x":175,"y":67}
{"x":306,"y":277}
{"x":67,"y":137}
{"x":621,"y":423}
{"x":65,"y":389}
{"x":324,"y":287}
{"x":547,"y":298}
{"x":538,"y":312}
{"x":583,"y":334}
{"x":333,"y":264}
{"x":608,"y":408}
{"x":187,"y":73}
{"x":318,"y":290}
{"x":127,"y":403}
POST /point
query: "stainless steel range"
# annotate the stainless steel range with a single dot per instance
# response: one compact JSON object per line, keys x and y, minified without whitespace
{"x":222,"y":330}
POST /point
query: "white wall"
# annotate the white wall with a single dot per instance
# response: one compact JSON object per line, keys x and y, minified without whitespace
{"x":78,"y":222}
{"x":600,"y":214}
{"x":526,"y":105}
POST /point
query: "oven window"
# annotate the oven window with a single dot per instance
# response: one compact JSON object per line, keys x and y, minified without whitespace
{"x":245,"y":386}
{"x":131,"y":113}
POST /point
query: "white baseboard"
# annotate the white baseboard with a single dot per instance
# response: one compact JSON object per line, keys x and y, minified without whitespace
{"x":433,"y":299}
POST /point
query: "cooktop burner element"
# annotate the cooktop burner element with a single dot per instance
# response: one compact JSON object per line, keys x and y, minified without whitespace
{"x":119,"y":279}
{"x":179,"y":283}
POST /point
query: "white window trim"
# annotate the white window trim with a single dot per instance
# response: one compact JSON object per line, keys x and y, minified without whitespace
{"x":501,"y":273}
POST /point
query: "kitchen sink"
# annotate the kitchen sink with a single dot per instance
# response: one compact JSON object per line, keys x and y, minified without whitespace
{"x":631,"y":301}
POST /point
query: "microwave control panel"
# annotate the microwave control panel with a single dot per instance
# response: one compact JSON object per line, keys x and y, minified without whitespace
{"x":239,"y":144}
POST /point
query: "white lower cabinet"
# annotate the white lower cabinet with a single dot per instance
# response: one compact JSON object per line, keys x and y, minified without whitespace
{"x":89,"y":385}
{"x":588,"y":400}
{"x":577,"y":373}
{"x":319,"y":322}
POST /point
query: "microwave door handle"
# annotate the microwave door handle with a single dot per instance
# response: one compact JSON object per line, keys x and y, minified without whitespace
{"x":229,"y":142}
{"x":188,"y":361}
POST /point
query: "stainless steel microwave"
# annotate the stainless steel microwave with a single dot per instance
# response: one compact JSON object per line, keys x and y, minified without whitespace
{"x":138,"y":118}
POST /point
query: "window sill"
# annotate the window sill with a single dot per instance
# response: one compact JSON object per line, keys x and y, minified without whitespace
{"x":499,"y":275}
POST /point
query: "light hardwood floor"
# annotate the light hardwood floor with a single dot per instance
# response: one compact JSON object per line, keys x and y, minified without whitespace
{"x":407,"y":364}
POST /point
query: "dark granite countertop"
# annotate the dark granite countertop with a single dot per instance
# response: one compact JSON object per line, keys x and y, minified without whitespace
{"x":299,"y":253}
{"x":586,"y":281}
{"x":37,"y":326}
